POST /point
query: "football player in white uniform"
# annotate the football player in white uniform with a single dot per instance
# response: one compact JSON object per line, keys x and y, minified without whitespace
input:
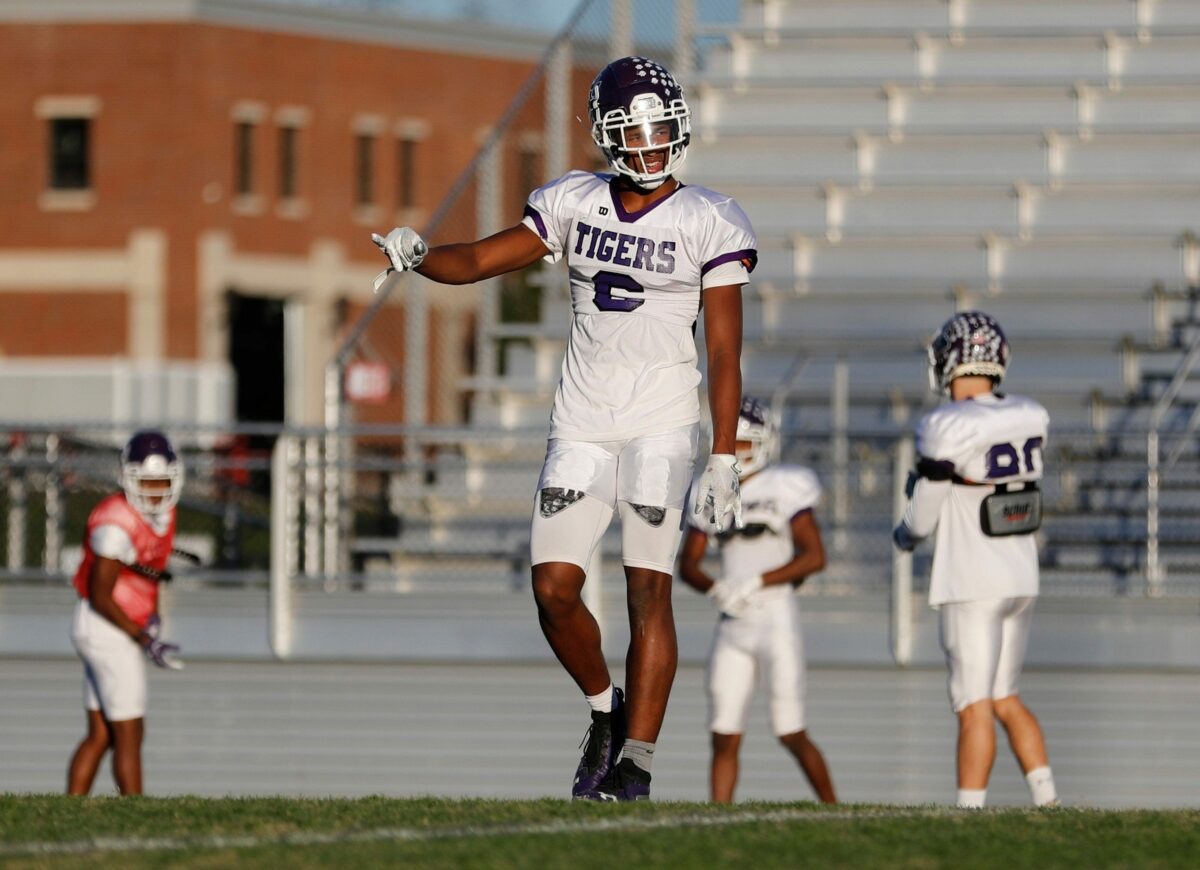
{"x":758,"y":632}
{"x":979,"y":462}
{"x":646,"y":253}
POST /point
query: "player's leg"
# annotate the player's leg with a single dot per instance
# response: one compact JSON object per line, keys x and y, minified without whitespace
{"x":1024,"y":733}
{"x":812,"y":763}
{"x":732,"y":673}
{"x":971,"y":638}
{"x":724,"y":774}
{"x":653,"y":474}
{"x":781,"y":647}
{"x":86,"y":761}
{"x":127,"y":754}
{"x":573,"y":507}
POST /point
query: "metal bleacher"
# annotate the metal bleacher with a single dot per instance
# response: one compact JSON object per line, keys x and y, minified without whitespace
{"x":901,"y":159}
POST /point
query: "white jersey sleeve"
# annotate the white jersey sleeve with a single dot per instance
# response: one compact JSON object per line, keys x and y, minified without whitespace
{"x":728,"y":247}
{"x":966,"y":449}
{"x":548,"y":211}
{"x":113,"y":542}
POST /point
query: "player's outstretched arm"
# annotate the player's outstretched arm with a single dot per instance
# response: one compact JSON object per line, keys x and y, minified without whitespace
{"x":463,"y":263}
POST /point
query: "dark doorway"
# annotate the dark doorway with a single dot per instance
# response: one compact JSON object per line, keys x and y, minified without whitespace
{"x":256,"y":354}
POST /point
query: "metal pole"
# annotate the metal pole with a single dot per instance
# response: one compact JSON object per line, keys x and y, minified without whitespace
{"x":620,"y":41}
{"x":18,"y":507}
{"x":840,"y":414}
{"x":285,"y":516}
{"x":685,"y":31}
{"x":902,"y":604}
{"x":1153,"y":568}
{"x":558,"y":111}
{"x":488,"y":220}
{"x":53,"y":549}
{"x":333,"y":474}
{"x":311,"y":461}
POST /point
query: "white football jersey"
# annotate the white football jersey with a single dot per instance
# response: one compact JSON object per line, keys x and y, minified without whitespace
{"x":636,"y":278}
{"x":770,"y":500}
{"x":987,"y":440}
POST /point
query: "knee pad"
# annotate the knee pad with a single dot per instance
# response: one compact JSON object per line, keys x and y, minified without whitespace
{"x":650,"y":536}
{"x":567,"y":526}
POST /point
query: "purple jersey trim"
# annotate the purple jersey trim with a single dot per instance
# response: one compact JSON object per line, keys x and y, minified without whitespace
{"x":746,"y":254}
{"x":538,"y":222}
{"x":628,"y":217}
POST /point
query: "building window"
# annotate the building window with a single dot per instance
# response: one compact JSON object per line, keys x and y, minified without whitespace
{"x":69,"y":158}
{"x":406,"y":174}
{"x":288,"y":143}
{"x":243,"y":150}
{"x":364,"y":169}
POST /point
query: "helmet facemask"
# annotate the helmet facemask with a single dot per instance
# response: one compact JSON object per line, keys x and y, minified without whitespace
{"x":146,"y":463}
{"x":637,"y":110}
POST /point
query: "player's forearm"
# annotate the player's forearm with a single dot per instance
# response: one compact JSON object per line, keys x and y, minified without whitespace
{"x":693,"y":576}
{"x":106,"y":607}
{"x":923,"y":509}
{"x":724,"y":398}
{"x":797,"y":570}
{"x":454,"y":264}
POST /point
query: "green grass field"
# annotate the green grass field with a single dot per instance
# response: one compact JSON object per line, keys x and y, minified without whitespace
{"x":54,"y":831}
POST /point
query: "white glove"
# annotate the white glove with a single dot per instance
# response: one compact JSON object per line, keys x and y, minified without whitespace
{"x":718,"y":493}
{"x":404,"y":248}
{"x":732,"y":594}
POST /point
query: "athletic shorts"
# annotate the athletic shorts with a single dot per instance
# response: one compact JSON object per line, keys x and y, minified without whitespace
{"x":765,"y":643}
{"x":583,"y":483}
{"x":984,"y":643}
{"x":114,"y":668}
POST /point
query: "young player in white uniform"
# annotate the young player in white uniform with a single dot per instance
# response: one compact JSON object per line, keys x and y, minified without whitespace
{"x":116,"y":624}
{"x":979,"y":460}
{"x":759,"y":628}
{"x":645,"y":254}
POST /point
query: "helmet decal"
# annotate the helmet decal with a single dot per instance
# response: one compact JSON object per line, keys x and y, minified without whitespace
{"x":640,"y":120}
{"x":969,"y":343}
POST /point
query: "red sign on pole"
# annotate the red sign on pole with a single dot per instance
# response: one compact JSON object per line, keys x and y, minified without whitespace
{"x":368,"y":382}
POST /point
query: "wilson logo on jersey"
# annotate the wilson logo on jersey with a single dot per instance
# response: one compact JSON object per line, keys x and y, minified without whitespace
{"x":624,"y":249}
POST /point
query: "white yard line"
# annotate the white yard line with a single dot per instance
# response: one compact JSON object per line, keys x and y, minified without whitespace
{"x":409,"y":835}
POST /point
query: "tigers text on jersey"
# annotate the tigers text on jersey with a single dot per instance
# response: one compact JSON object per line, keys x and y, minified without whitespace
{"x":770,"y":500}
{"x":636,"y":279}
{"x":986,"y":440}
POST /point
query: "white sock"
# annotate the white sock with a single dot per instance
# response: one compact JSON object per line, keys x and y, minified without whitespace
{"x":601,"y":703}
{"x":971,"y":798}
{"x":1041,"y":787}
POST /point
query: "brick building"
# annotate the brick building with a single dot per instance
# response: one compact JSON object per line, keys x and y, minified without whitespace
{"x":189,"y":187}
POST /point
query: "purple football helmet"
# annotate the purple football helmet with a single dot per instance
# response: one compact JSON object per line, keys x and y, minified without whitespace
{"x":149,"y":456}
{"x":969,"y":343}
{"x":637,"y":108}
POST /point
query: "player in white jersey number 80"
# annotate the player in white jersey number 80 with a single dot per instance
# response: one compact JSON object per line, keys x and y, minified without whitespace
{"x":645,"y":254}
{"x":980,"y":459}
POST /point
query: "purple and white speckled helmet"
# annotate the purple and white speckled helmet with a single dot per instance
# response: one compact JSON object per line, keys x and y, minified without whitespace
{"x":969,"y":343}
{"x":638,"y":96}
{"x":149,"y":456}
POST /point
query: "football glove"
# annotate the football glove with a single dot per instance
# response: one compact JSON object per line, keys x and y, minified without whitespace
{"x":157,"y":650}
{"x":718,"y":494}
{"x":732,"y":595}
{"x":404,"y":248}
{"x":903,"y":538}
